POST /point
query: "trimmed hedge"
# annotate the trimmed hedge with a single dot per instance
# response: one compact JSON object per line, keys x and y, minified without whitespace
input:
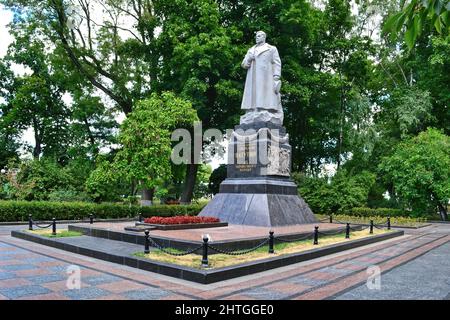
{"x":380,"y":212}
{"x":44,"y":210}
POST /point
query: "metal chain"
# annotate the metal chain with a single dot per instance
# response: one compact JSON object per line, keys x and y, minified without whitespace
{"x":240,"y":252}
{"x":157,"y":245}
{"x":294,"y":240}
{"x":378,"y":226}
{"x":323,"y":220}
{"x":37,"y":225}
{"x":337,"y":221}
{"x":356,"y":229}
{"x":332,"y":233}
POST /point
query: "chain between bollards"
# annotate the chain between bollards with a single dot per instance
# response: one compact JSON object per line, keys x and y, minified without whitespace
{"x":30,"y":222}
{"x":271,"y":241}
{"x":205,"y":262}
{"x":389,"y":223}
{"x":54,"y":226}
{"x":371,"y":227}
{"x":347,"y":231}
{"x":91,"y":219}
{"x":316,"y":235}
{"x":147,"y":242}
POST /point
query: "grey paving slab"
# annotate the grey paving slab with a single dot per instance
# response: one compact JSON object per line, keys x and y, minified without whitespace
{"x":6,"y":275}
{"x":261,"y":293}
{"x":426,"y":277}
{"x":47,"y":278}
{"x":18,"y":267}
{"x":101,"y":279}
{"x":146,"y":294}
{"x":86,"y":293}
{"x":301,"y":279}
{"x":23,"y":291}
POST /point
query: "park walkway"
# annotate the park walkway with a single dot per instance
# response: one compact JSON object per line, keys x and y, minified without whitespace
{"x":415,"y":266}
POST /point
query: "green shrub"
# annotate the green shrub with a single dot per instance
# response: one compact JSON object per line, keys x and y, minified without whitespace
{"x":45,"y":210}
{"x":68,"y":196}
{"x":395,"y":221}
{"x":381,"y":212}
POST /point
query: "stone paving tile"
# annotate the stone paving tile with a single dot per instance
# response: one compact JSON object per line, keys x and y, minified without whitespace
{"x":261,"y":293}
{"x":61,"y":285}
{"x":9,"y":262}
{"x":175,"y":297}
{"x":238,"y":297}
{"x":287,"y":287}
{"x":320,"y":275}
{"x":101,"y":279}
{"x":6,"y":275}
{"x":58,"y":268}
{"x":18,"y":267}
{"x":304,"y":280}
{"x":146,"y":294}
{"x":53,"y":263}
{"x":14,"y":282}
{"x":86,"y":293}
{"x":47,"y":296}
{"x":18,"y":292}
{"x":32,"y":272}
{"x":112,"y":297}
{"x":347,"y":266}
{"x":89,"y":272}
{"x":47,"y":278}
{"x":402,"y":283}
{"x":38,"y":260}
{"x":337,"y":271}
{"x":361,"y":277}
{"x":121,"y":286}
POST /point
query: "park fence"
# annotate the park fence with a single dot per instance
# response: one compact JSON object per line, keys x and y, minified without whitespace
{"x":206,"y":246}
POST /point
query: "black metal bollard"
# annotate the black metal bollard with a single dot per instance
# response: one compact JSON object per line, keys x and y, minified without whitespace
{"x":347,"y":231}
{"x":147,"y":242}
{"x":140,"y":217}
{"x":371,"y":227}
{"x":54,"y":227}
{"x":205,"y":262}
{"x":316,"y":235}
{"x":30,"y":222}
{"x":389,"y":223}
{"x":91,"y":219}
{"x":331,"y":218}
{"x":271,"y":241}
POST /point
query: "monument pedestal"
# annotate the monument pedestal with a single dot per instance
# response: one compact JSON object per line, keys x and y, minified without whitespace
{"x":258,"y":190}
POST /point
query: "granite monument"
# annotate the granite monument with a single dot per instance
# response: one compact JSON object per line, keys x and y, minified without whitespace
{"x":258,"y":190}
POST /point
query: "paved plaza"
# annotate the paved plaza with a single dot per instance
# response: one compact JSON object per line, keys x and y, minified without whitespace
{"x":414,"y":266}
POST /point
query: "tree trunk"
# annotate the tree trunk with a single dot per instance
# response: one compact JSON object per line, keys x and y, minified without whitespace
{"x":189,"y":183}
{"x":147,"y":197}
{"x":443,"y":212}
{"x":38,"y":143}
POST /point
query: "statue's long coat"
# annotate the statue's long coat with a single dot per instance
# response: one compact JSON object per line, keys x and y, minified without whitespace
{"x":260,"y":85}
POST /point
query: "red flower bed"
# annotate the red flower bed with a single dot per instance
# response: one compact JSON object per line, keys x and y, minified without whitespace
{"x":181,"y":220}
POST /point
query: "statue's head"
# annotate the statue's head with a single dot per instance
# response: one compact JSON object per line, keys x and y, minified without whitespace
{"x":260,"y":37}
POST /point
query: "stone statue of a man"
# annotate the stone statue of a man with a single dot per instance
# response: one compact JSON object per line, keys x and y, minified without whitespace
{"x":261,"y":99}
